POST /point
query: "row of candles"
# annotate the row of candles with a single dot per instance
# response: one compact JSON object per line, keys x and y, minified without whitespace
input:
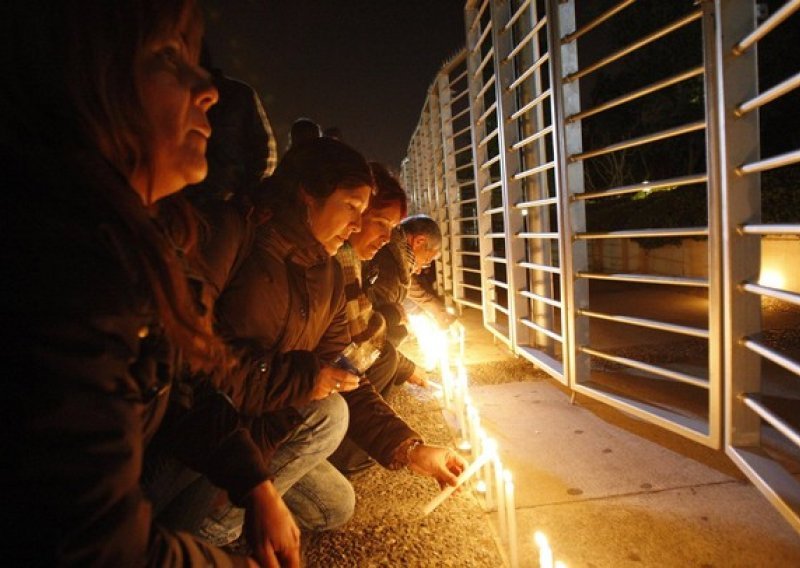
{"x":491,"y":479}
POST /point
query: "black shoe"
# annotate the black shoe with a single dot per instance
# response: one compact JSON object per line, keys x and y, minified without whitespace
{"x":360,"y":466}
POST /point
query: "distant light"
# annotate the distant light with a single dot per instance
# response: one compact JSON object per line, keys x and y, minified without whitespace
{"x":772,"y":278}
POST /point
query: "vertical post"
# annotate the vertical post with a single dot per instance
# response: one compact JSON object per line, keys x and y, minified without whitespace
{"x":479,"y":157}
{"x":507,"y":135}
{"x":741,"y":203}
{"x":715,"y":241}
{"x":569,"y":180}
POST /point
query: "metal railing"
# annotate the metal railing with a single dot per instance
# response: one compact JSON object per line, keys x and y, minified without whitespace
{"x":568,"y":135}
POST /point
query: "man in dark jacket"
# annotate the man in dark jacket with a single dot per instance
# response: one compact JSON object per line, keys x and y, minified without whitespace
{"x":415,"y":243}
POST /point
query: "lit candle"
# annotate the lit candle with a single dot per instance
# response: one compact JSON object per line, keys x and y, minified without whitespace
{"x":486,"y":443}
{"x":474,"y":427}
{"x":461,"y":334}
{"x":465,"y":475}
{"x":512,"y":520}
{"x":500,"y":493}
{"x":464,"y":419}
{"x":545,"y":554}
{"x":447,"y":387}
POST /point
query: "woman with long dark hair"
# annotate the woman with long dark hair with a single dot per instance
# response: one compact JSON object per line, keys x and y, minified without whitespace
{"x":102,"y":114}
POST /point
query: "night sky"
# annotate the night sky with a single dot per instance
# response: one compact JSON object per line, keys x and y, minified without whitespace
{"x":362,"y":65}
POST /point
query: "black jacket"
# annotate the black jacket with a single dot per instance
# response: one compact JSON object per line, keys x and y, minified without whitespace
{"x":87,"y":372}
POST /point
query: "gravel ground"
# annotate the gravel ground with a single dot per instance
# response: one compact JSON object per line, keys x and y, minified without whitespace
{"x":388,"y":528}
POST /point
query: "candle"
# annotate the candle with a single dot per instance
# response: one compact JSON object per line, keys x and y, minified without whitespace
{"x":500,"y":493}
{"x":511,"y":510}
{"x":447,"y":387}
{"x":464,"y":419}
{"x":486,"y":443}
{"x":474,"y":425}
{"x":465,"y":475}
{"x":461,"y":333}
{"x":545,"y":554}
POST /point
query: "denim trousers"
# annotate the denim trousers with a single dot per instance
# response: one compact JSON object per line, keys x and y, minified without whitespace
{"x":319,"y":497}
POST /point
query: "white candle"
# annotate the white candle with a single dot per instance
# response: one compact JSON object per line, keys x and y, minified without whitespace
{"x":512,"y":520}
{"x":465,"y":475}
{"x":461,"y":333}
{"x":500,"y":493}
{"x":486,"y":443}
{"x":464,"y":419}
{"x":447,"y":387}
{"x":474,"y":426}
{"x":545,"y":554}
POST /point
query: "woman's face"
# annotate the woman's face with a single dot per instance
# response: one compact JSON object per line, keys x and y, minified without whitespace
{"x":332,"y":220}
{"x":376,"y":230}
{"x":176,"y":93}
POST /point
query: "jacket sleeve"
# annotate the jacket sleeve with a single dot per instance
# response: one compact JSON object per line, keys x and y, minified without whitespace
{"x":405,"y":368}
{"x":374,"y":426}
{"x":210,"y":437}
{"x":76,"y":437}
{"x":385,"y":293}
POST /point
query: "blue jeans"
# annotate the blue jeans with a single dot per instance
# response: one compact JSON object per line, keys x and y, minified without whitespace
{"x":318,"y":495}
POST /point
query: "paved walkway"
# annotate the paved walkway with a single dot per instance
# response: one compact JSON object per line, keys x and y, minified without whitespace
{"x":608,"y":490}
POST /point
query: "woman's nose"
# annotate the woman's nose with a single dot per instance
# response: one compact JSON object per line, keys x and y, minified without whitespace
{"x":205,"y":93}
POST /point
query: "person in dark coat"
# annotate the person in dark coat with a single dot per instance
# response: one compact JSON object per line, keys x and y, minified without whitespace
{"x":414,"y":244}
{"x":285,"y":310}
{"x":367,"y":326}
{"x":102,"y":115}
{"x":242,"y":150}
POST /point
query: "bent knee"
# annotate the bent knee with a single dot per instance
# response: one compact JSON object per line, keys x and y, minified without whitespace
{"x":341,"y":511}
{"x":334,"y":415}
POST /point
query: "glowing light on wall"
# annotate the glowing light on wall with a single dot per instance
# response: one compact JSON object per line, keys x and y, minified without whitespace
{"x":772,"y":277}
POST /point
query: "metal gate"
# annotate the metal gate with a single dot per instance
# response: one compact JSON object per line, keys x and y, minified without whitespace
{"x":591,"y":123}
{"x":762,"y":406}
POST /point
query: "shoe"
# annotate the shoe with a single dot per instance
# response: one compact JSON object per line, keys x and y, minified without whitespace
{"x":360,"y":466}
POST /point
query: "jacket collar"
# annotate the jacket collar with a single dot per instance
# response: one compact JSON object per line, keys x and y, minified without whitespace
{"x":292,"y":239}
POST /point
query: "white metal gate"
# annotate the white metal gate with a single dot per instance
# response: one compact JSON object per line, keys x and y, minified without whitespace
{"x":589,"y":123}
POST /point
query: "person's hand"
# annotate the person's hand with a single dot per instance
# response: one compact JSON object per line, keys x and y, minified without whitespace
{"x":418,"y":378}
{"x":270,"y":528}
{"x":333,"y":379}
{"x":442,"y":464}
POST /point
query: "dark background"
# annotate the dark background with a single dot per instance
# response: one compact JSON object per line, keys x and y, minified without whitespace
{"x":364,"y":66}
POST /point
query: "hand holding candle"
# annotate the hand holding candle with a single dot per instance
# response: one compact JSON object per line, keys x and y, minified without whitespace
{"x":443,"y":464}
{"x":465,"y":475}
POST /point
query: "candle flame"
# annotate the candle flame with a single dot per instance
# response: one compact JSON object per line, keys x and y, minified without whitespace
{"x":480,"y":487}
{"x":432,"y":340}
{"x":540,"y":539}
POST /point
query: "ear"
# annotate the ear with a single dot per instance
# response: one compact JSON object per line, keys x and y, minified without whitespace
{"x":418,"y":242}
{"x":305,"y":198}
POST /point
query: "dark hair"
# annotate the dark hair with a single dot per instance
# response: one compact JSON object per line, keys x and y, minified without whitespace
{"x":319,"y":166}
{"x":303,"y":130}
{"x":423,"y":225}
{"x":388,"y":190}
{"x":70,"y":85}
